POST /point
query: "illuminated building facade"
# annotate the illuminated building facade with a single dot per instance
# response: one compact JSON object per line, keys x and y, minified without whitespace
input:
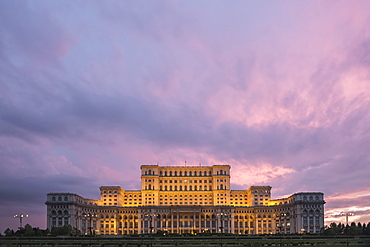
{"x":187,"y":200}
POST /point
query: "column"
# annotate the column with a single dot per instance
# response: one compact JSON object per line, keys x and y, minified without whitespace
{"x":178,"y":222}
{"x":200,"y":221}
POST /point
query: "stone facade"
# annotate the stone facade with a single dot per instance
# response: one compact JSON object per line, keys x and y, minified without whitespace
{"x":187,"y":200}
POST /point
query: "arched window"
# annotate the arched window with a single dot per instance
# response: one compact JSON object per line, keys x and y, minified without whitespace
{"x":53,"y":198}
{"x":311,"y":198}
{"x":160,"y":173}
{"x":175,"y":173}
{"x":165,"y":173}
{"x":200,"y":187}
{"x":59,"y":199}
{"x":210,"y":173}
{"x":205,"y":173}
{"x":180,"y":187}
{"x":221,"y":187}
{"x":165,"y":187}
{"x":185,"y":187}
{"x":304,"y":212}
{"x":149,"y":186}
{"x":195,"y":173}
{"x":60,"y":212}
{"x":316,"y":198}
{"x":190,"y":173}
{"x":175,"y":187}
{"x":53,"y":212}
{"x":160,"y":187}
{"x":150,"y":172}
{"x":170,"y":173}
{"x":180,"y":173}
{"x":185,"y":173}
{"x":205,"y":187}
{"x":170,"y":187}
{"x":195,"y":187}
{"x":65,"y":212}
{"x":305,"y":198}
{"x":66,"y":199}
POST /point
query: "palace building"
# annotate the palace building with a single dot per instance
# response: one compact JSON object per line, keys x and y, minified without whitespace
{"x":178,"y":199}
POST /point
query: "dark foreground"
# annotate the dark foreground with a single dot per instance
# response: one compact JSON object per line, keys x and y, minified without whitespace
{"x":198,"y":241}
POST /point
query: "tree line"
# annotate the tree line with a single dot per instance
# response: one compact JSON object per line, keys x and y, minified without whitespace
{"x":30,"y":231}
{"x":353,"y":229}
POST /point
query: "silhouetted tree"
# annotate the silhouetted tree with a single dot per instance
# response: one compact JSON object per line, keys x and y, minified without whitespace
{"x":9,"y":232}
{"x":65,"y":230}
{"x":353,"y":229}
{"x":28,"y":230}
{"x":367,"y":229}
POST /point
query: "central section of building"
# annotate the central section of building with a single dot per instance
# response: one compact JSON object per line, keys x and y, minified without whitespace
{"x":184,"y":186}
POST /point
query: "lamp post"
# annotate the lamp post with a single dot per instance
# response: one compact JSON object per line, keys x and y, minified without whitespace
{"x":347,"y":214}
{"x":20,"y":216}
{"x":150,"y":217}
{"x":90,"y":217}
{"x":280,"y":227}
{"x":222,"y":215}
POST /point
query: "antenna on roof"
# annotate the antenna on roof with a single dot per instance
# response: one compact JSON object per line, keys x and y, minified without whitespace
{"x":185,"y":162}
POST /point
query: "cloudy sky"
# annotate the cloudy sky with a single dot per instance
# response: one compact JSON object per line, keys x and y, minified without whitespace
{"x":279,"y":90}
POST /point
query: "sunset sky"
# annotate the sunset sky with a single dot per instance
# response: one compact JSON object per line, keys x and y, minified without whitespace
{"x":89,"y":91}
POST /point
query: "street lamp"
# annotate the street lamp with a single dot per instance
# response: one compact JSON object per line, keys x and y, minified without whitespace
{"x":90,"y":217}
{"x":20,"y":216}
{"x":150,"y":217}
{"x":347,"y":214}
{"x":280,"y":225}
{"x":222,"y":215}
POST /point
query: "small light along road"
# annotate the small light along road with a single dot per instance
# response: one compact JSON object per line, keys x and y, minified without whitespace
{"x":197,"y":241}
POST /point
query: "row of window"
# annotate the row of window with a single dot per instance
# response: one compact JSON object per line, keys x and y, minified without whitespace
{"x":110,"y":191}
{"x":65,"y":212}
{"x":184,"y":181}
{"x":185,"y":188}
{"x":59,"y":199}
{"x":185,"y":173}
{"x":310,"y":198}
{"x":139,"y":195}
{"x":60,"y":220}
